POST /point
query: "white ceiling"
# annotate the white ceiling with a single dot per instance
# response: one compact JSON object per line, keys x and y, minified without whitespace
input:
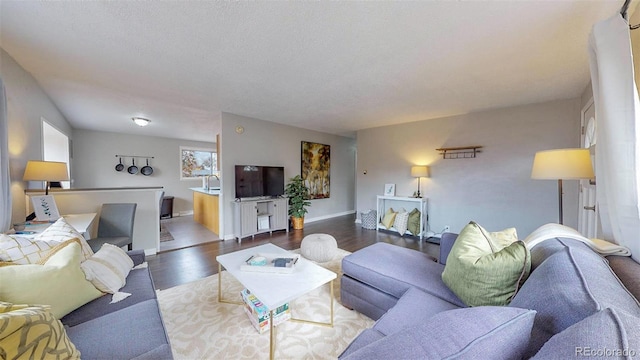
{"x":335,"y":67}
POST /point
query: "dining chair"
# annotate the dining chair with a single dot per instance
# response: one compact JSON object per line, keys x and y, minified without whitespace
{"x":115,"y":226}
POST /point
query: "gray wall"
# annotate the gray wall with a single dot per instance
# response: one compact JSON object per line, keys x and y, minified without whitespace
{"x":495,"y":189}
{"x":94,"y":162}
{"x":268,"y":143}
{"x":27,"y":104}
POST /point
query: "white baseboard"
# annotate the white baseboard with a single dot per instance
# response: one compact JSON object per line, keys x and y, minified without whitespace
{"x":184,"y":213}
{"x":149,"y":252}
{"x":307,"y":220}
{"x":325,"y":217}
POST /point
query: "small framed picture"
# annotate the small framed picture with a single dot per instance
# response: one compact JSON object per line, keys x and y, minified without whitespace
{"x":45,"y":208}
{"x":390,"y":189}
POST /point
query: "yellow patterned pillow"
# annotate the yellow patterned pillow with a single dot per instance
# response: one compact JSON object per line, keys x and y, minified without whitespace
{"x":389,"y":218}
{"x":31,"y":332}
{"x":61,"y":231}
{"x":60,"y":283}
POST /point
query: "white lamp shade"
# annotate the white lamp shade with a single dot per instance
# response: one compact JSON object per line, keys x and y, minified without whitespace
{"x":562,"y":164}
{"x":420,"y":171}
{"x":45,"y":171}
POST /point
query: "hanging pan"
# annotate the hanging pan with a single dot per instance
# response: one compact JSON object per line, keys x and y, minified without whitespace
{"x":146,"y":170}
{"x":120,"y":166}
{"x":133,"y":169}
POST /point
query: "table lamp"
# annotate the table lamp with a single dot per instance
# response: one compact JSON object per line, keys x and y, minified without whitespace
{"x":419,"y":172}
{"x":48,"y":171}
{"x":562,"y":164}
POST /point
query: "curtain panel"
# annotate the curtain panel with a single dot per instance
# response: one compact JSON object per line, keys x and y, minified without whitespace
{"x":5,"y":179}
{"x":617,"y":151}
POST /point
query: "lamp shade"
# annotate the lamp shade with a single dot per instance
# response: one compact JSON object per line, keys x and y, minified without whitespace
{"x":45,"y":171}
{"x":420,"y":171}
{"x":562,"y":164}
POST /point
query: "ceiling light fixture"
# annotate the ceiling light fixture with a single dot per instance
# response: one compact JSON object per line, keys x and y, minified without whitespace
{"x":141,"y":121}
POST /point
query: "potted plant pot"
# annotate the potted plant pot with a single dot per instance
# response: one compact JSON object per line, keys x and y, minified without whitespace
{"x":298,"y":195}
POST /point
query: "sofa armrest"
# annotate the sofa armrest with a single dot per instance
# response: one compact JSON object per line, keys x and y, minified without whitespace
{"x":137,"y":256}
{"x":446,"y":243}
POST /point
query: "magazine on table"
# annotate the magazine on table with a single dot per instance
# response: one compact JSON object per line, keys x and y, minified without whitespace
{"x":283,"y":263}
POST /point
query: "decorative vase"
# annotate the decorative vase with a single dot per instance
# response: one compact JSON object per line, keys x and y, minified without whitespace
{"x":297,"y":223}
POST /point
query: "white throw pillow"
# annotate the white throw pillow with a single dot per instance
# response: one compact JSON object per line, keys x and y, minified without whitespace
{"x":107,"y":270}
{"x":401,"y":222}
{"x":61,"y":231}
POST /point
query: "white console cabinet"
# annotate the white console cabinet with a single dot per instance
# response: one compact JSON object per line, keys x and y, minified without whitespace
{"x":253,"y":217}
{"x":399,"y":202}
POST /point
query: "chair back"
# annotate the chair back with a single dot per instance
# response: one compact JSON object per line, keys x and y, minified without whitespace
{"x":117,"y":220}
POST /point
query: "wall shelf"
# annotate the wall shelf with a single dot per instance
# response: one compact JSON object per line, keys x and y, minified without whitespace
{"x":463,"y":152}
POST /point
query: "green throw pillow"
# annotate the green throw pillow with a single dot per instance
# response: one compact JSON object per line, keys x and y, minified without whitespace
{"x":482,"y":272}
{"x":413,"y":224}
{"x":389,"y":218}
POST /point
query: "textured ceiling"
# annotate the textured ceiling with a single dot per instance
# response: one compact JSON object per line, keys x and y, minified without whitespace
{"x":331,"y":66}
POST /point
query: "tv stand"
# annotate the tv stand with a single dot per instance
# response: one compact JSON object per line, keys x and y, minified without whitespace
{"x":257,"y":216}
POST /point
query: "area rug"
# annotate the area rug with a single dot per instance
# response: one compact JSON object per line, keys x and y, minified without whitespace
{"x":201,"y":328}
{"x":165,"y":235}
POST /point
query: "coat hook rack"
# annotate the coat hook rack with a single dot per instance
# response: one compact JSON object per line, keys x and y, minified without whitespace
{"x":135,"y":156}
{"x":463,"y":152}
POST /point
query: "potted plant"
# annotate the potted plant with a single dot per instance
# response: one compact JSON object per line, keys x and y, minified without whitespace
{"x":298,"y":195}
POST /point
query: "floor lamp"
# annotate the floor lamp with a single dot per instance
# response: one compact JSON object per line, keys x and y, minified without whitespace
{"x":562,"y":164}
{"x":46,"y":171}
{"x":419,"y":172}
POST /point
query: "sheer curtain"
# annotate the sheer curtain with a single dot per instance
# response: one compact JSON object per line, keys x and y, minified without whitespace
{"x":617,"y":150}
{"x":5,"y":180}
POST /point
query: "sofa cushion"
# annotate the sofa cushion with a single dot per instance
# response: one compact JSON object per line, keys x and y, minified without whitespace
{"x":480,"y":270}
{"x":414,"y":308}
{"x":393,"y":270}
{"x":139,"y":285}
{"x":31,"y":332}
{"x":111,"y":336}
{"x":609,"y":333}
{"x":365,"y":338}
{"x":567,"y":287}
{"x":484,"y":332}
{"x":59,"y":283}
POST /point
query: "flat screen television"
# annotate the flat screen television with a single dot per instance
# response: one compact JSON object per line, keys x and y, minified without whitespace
{"x":255,"y":181}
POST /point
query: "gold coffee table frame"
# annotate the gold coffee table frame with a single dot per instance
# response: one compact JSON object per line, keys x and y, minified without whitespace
{"x":272,"y":328}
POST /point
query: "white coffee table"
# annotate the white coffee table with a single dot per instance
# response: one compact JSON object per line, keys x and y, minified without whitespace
{"x":275,"y":290}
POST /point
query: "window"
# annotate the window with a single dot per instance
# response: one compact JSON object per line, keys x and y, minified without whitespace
{"x":55,"y":147}
{"x":195,"y":163}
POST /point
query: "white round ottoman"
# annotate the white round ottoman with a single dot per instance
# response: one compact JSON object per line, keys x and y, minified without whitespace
{"x":319,"y":247}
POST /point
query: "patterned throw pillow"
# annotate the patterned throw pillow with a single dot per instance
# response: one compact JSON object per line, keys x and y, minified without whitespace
{"x":389,"y":218}
{"x":413,"y":223}
{"x":31,"y":332}
{"x":400,"y":222}
{"x":61,"y":231}
{"x":107,"y":270}
{"x":20,"y":250}
{"x":59,"y":283}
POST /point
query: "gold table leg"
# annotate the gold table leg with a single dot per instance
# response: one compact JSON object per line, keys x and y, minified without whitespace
{"x":330,"y":323}
{"x":220,"y":299}
{"x":272,"y":336}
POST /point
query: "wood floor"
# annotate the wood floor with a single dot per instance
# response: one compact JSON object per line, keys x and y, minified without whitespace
{"x":181,"y":266}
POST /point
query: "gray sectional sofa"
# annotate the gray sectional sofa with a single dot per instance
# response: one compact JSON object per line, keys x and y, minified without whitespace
{"x":572,"y":304}
{"x":129,"y":329}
